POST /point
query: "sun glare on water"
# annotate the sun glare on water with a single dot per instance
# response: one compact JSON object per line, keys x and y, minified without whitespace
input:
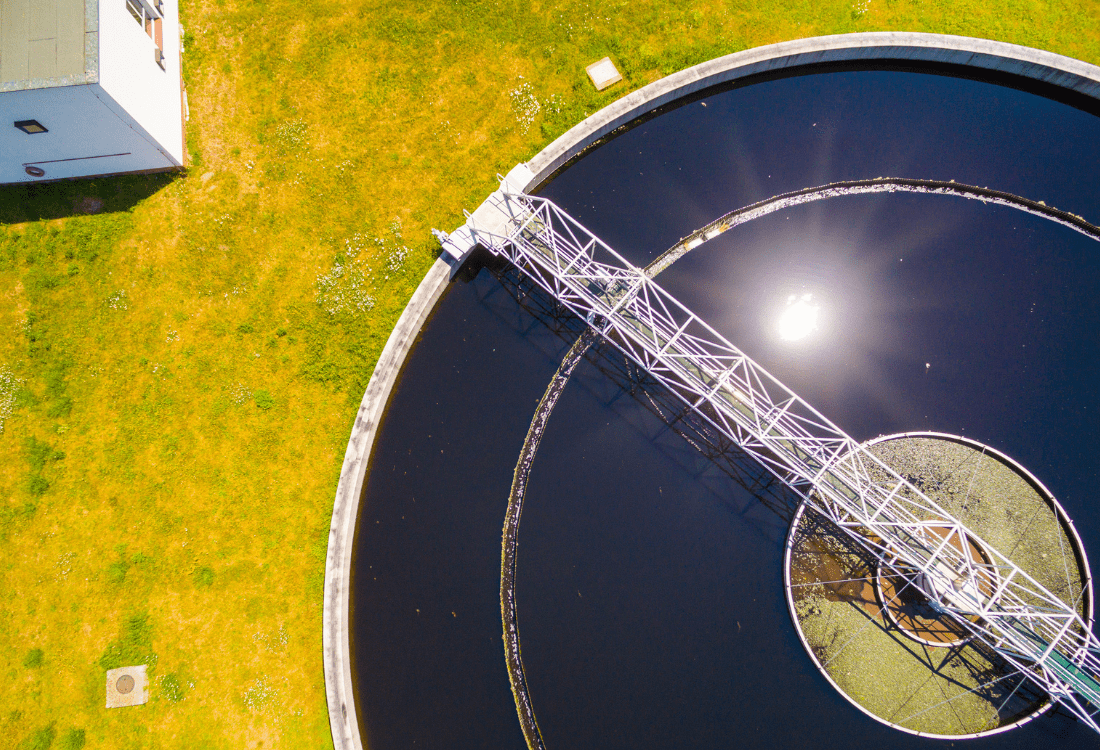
{"x":799,"y":318}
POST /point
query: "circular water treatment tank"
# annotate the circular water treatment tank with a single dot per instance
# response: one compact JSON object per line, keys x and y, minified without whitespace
{"x":888,"y":648}
{"x":647,"y":581}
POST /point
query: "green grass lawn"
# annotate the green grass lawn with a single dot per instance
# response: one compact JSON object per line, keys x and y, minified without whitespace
{"x":181,"y":357}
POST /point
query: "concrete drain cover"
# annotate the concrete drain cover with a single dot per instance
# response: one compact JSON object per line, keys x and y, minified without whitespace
{"x":127,"y":686}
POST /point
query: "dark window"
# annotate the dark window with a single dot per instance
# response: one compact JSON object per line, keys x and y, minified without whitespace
{"x":31,"y":126}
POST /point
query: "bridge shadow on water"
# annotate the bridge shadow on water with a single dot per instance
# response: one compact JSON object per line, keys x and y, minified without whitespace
{"x":653,"y":411}
{"x":623,"y":386}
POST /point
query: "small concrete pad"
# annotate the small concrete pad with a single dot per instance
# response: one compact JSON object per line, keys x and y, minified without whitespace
{"x":127,"y":686}
{"x":603,"y":73}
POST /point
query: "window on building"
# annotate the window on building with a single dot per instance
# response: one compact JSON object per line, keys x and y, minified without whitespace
{"x":149,"y":16}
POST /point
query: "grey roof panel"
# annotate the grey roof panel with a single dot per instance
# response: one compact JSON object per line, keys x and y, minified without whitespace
{"x":42,"y":41}
{"x":42,"y":20}
{"x":13,"y":40}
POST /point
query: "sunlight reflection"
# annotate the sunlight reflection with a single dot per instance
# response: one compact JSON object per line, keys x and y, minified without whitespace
{"x":799,"y":319}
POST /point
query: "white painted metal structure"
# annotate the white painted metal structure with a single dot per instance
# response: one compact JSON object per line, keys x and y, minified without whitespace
{"x":1035,"y":632}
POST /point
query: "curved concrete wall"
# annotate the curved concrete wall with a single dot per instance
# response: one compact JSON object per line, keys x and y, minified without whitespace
{"x":1037,"y":65}
{"x":995,"y":57}
{"x":345,"y":511}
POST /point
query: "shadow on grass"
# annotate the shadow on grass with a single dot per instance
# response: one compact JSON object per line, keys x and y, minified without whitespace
{"x":64,"y":198}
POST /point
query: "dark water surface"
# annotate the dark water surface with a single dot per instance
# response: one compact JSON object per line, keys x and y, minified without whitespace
{"x":650,"y":590}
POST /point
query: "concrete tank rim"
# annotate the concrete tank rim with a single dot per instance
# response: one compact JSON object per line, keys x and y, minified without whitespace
{"x":1038,"y":65}
{"x":912,"y":47}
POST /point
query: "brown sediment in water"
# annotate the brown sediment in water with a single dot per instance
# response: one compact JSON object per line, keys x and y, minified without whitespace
{"x":839,"y":579}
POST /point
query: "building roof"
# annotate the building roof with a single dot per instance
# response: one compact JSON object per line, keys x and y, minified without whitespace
{"x":46,"y":43}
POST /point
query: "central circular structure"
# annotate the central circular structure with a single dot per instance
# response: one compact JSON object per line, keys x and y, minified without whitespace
{"x":899,"y":587}
{"x":893,"y":651}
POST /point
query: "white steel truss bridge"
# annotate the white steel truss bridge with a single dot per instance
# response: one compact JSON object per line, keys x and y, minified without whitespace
{"x":1036,"y":633}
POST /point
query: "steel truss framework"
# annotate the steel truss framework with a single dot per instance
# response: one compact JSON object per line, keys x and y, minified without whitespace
{"x":1032,"y":629}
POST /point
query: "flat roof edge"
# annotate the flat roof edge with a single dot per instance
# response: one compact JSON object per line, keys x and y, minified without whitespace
{"x":32,"y":84}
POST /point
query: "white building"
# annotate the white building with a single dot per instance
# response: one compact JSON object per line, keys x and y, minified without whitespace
{"x":89,"y":87}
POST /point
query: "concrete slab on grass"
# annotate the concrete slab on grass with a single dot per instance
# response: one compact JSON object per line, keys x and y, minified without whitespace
{"x":127,"y":686}
{"x":603,"y":73}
